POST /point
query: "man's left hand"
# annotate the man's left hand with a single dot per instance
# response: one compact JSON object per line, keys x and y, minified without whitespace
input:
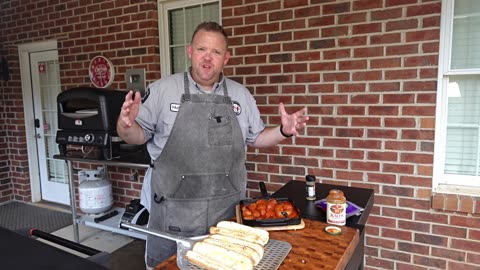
{"x":294,"y":122}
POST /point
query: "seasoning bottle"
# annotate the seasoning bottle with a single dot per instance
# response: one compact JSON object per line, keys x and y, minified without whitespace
{"x":336,"y":208}
{"x":310,"y":187}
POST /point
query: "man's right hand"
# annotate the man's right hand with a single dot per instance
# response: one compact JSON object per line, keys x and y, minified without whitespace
{"x":129,"y":109}
{"x":127,"y":128}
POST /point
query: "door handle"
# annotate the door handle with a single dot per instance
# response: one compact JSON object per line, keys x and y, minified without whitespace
{"x":37,"y":125}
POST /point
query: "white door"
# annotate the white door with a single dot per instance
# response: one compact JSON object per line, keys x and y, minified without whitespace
{"x":44,"y":70}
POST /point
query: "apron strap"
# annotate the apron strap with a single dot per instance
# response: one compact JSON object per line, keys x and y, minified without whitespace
{"x":186,"y":87}
{"x":226,"y":98}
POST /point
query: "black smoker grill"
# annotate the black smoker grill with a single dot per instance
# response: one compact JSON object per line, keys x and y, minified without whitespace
{"x":87,"y":118}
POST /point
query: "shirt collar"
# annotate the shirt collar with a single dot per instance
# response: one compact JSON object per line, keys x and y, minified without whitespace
{"x":217,"y":87}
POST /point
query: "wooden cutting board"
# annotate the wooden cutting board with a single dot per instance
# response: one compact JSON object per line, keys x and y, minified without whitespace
{"x":271,"y":228}
{"x":312,"y":248}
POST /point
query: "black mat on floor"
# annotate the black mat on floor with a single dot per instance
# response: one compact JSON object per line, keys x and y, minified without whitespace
{"x":20,"y":216}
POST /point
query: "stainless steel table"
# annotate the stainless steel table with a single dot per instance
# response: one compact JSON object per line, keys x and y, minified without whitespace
{"x":111,"y":224}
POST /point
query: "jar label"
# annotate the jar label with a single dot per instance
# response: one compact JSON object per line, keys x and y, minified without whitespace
{"x":311,"y":191}
{"x":336,"y":213}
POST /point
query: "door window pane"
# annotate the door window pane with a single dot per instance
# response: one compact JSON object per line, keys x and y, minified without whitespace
{"x":182,"y":23}
{"x":461,"y":152}
{"x":193,"y":16}
{"x":466,"y":35}
{"x":177,"y":31}
{"x":463,"y":125}
{"x":49,"y":89}
{"x":178,"y":58}
{"x":211,"y":11}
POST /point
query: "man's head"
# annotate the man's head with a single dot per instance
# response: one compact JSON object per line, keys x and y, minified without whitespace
{"x":208,"y":53}
{"x":211,"y":27}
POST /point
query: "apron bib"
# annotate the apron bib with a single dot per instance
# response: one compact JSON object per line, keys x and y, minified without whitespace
{"x":200,"y":175}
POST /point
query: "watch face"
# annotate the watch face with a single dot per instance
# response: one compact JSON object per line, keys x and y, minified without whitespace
{"x":101,"y":72}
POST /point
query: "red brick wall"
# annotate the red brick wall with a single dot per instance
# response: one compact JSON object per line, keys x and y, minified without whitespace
{"x":365,"y":69}
{"x":125,"y":32}
{"x":5,"y":182}
{"x":14,"y":177}
{"x":5,"y":185}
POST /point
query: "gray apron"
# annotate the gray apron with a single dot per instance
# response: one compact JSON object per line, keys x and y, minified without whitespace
{"x":200,"y":175}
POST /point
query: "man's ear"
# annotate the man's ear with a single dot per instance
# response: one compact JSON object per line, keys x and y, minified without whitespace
{"x":189,"y":51}
{"x":227,"y":57}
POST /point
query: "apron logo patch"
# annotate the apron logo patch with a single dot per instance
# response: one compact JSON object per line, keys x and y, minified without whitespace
{"x":237,"y":109}
{"x":174,"y":107}
{"x":145,"y":96}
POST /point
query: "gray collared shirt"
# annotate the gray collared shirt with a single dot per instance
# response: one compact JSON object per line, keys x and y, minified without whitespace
{"x":162,"y":101}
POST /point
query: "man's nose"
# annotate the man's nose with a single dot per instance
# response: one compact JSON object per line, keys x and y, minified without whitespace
{"x":208,"y":55}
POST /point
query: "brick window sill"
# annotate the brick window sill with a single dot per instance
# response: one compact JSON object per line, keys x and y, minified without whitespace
{"x":457,"y":199}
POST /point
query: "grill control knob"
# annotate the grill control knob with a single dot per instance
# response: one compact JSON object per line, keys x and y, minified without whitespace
{"x":89,"y":137}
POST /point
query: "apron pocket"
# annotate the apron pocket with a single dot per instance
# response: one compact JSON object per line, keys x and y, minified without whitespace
{"x":220,"y":130}
{"x":193,"y":186}
{"x":186,"y":217}
{"x":222,"y":208}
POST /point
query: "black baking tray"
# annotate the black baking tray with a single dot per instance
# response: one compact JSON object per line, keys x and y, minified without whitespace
{"x":271,"y":221}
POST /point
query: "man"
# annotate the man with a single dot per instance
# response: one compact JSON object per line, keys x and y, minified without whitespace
{"x":197,"y":125}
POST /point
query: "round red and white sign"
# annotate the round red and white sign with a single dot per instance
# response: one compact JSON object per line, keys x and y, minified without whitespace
{"x":101,"y":72}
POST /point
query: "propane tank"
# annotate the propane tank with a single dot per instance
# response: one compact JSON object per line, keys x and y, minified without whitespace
{"x":95,"y":192}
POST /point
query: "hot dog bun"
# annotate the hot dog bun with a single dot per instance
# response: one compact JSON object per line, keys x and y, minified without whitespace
{"x":205,"y":262}
{"x":244,"y":250}
{"x":223,"y":256}
{"x":225,"y":238}
{"x":231,"y":246}
{"x":242,"y":231}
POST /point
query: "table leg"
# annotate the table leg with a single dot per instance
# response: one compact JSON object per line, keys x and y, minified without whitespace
{"x":73,"y":204}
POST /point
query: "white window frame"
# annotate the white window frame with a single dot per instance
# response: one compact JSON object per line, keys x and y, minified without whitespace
{"x":164,"y":6}
{"x":448,"y":183}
